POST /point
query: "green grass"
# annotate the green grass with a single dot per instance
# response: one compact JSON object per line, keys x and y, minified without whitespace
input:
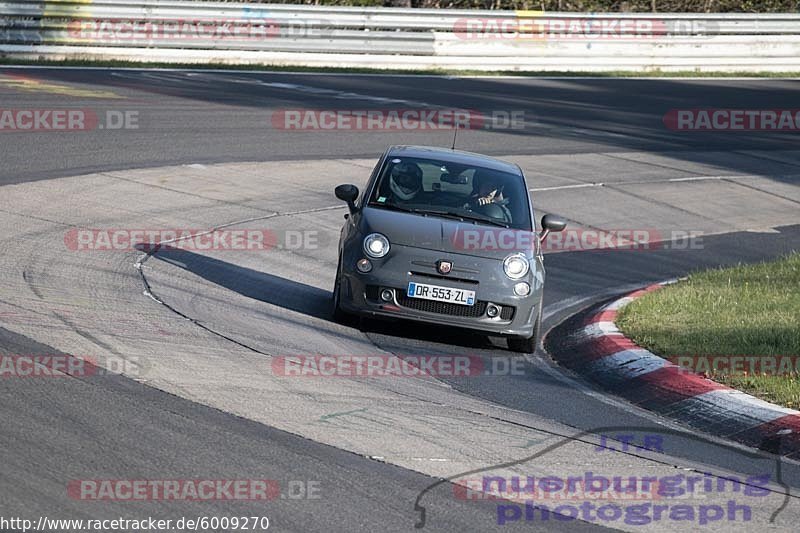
{"x":749,"y":310}
{"x":434,"y":72}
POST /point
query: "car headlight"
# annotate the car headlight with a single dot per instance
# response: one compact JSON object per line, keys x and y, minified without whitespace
{"x":376,"y":245}
{"x":516,"y":266}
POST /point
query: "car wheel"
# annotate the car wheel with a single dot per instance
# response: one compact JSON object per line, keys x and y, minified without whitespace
{"x":338,"y":314}
{"x":526,"y":344}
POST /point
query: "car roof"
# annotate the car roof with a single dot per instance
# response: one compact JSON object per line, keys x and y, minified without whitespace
{"x":453,"y":156}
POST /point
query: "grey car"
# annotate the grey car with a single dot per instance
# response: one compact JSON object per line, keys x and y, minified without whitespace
{"x":444,"y":237}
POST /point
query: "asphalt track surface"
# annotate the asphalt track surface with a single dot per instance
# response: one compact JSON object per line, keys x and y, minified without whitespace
{"x":196,"y":414}
{"x":217,"y":117}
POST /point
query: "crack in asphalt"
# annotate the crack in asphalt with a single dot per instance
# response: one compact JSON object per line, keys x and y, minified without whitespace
{"x":148,"y":291}
{"x":649,"y":163}
{"x":178,"y":191}
{"x":753,"y":188}
{"x":34,"y":217}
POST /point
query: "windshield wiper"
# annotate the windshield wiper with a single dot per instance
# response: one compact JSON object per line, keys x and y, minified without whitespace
{"x":463,"y":217}
{"x":441,"y":213}
{"x":395,"y":207}
{"x":492,"y":221}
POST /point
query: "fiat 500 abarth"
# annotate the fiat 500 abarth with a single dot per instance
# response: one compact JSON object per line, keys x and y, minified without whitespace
{"x":444,"y":237}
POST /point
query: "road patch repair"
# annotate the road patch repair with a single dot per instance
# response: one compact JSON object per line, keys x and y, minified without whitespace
{"x":591,"y":345}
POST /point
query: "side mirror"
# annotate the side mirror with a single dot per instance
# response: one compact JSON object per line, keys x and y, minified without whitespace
{"x":347,"y":193}
{"x":551,"y":223}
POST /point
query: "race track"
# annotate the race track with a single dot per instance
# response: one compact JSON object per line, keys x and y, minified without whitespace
{"x":196,"y":332}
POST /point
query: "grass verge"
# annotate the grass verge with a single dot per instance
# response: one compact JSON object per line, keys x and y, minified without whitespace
{"x":709,"y":320}
{"x":430,"y":72}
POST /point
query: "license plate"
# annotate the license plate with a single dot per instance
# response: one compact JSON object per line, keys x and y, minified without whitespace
{"x":441,"y":294}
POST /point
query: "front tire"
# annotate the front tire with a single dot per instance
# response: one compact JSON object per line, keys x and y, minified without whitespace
{"x":527,"y":344}
{"x":336,"y":310}
{"x":337,"y":313}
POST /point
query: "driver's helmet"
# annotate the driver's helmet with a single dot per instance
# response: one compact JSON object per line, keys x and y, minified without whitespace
{"x":405,"y":181}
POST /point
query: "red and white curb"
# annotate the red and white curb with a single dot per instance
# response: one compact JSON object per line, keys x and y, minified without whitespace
{"x":602,"y":353}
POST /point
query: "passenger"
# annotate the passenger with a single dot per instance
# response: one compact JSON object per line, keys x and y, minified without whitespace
{"x":405,"y":182}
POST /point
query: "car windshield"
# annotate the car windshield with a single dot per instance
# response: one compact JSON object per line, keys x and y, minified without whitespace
{"x":453,"y":190}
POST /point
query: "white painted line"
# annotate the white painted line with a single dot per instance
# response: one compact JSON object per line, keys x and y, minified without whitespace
{"x":598,"y":329}
{"x":647,"y":182}
{"x":732,"y":410}
{"x":560,"y":187}
{"x":712,"y":178}
{"x":629,"y":364}
{"x":735,"y":400}
{"x":616,"y":305}
{"x":346,"y":95}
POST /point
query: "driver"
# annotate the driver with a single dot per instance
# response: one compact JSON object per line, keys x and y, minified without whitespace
{"x":486,"y":189}
{"x":405,"y":181}
{"x":487,"y":197}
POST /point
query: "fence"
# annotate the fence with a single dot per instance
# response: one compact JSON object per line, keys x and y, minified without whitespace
{"x":186,"y":31}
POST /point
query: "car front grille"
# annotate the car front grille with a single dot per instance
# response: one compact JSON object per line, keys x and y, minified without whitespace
{"x":444,"y":308}
{"x":447,"y":277}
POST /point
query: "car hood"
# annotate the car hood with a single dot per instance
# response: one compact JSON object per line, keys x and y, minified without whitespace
{"x":452,"y":236}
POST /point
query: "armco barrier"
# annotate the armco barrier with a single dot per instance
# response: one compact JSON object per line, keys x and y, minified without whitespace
{"x":189,"y":31}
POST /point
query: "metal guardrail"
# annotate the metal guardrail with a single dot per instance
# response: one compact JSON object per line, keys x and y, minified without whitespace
{"x":192,"y":31}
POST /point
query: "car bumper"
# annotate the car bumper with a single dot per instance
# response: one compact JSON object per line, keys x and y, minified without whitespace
{"x":361,"y":294}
